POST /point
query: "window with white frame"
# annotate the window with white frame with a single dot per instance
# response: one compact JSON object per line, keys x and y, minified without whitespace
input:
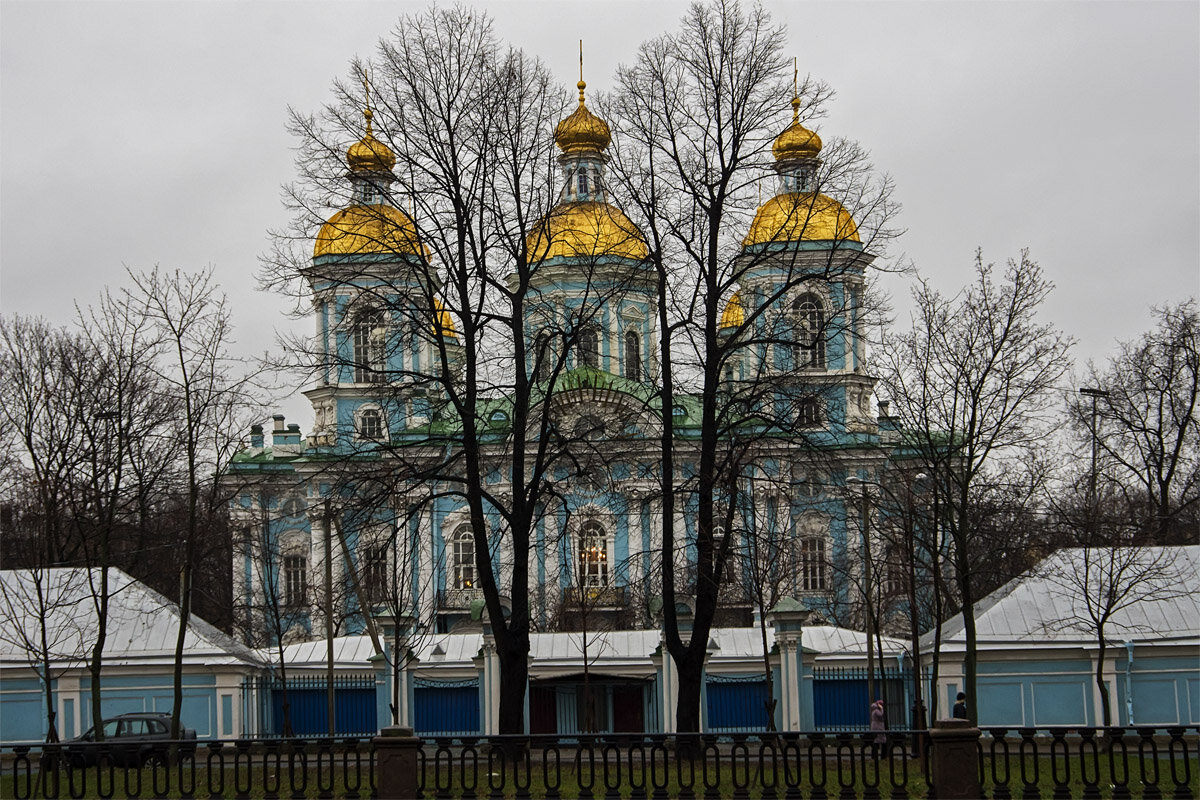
{"x":295,"y":580}
{"x":463,"y":558}
{"x":370,"y":423}
{"x":369,"y":334}
{"x":808,"y":412}
{"x":633,"y":355}
{"x":589,"y":346}
{"x":375,"y":572}
{"x":814,"y":564}
{"x":593,"y":555}
{"x":809,"y":315}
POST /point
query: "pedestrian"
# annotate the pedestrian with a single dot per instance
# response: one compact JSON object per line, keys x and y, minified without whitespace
{"x":878,"y":723}
{"x":960,"y":706}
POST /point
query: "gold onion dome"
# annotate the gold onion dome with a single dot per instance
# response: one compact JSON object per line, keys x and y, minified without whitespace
{"x":734,"y":315}
{"x":443,"y":323}
{"x":363,"y":230}
{"x":801,"y":217}
{"x":589,"y":230}
{"x":582,"y":130}
{"x":796,"y":141}
{"x":369,"y":154}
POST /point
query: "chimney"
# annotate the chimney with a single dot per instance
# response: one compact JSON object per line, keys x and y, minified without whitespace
{"x":256,"y":438}
{"x":883,"y":407}
{"x":285,"y":442}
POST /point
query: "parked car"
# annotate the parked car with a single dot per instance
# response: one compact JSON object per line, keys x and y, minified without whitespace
{"x":130,"y":740}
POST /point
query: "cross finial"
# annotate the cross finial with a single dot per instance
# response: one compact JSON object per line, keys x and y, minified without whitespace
{"x":581,"y":84}
{"x":367,"y":100}
{"x":795,"y":89}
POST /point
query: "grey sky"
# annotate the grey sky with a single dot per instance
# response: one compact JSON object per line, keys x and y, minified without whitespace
{"x":136,"y":133}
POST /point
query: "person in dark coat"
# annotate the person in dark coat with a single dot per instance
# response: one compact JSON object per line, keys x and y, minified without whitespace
{"x":878,"y":723}
{"x":960,"y":706}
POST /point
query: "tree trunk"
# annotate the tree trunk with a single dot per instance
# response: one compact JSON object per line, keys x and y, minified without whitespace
{"x":514,"y":675}
{"x":1102,"y":685}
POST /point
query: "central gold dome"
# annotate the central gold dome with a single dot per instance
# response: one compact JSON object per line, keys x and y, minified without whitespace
{"x":365,"y":230}
{"x":801,"y":217}
{"x":586,"y":230}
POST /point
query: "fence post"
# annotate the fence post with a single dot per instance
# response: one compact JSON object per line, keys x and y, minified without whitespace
{"x":396,"y":762}
{"x":955,"y":759}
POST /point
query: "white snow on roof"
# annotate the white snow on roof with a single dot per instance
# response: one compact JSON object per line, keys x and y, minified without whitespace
{"x":142,"y":624}
{"x":612,"y":649}
{"x":1048,"y":605}
{"x":349,"y":652}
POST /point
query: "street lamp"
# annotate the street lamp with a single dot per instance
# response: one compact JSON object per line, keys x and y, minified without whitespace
{"x":867,"y":578}
{"x":1095,"y":394}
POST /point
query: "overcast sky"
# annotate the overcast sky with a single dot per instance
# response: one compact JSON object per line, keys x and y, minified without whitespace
{"x":143,"y":133}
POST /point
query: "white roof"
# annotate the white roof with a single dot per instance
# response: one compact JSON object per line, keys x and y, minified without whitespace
{"x":349,"y":652}
{"x":142,"y":624}
{"x":1050,"y":604}
{"x":611,"y":650}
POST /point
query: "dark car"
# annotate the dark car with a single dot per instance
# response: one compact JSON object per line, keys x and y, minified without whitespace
{"x":131,"y":740}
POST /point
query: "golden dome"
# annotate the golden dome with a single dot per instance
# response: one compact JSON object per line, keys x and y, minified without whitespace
{"x":361,"y":230}
{"x":369,"y":154}
{"x":443,"y":323}
{"x":587,"y":230}
{"x":583,"y":130}
{"x":796,"y":141}
{"x":734,"y":315}
{"x":801,"y":216}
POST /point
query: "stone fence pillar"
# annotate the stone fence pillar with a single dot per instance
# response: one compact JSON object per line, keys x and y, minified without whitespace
{"x":955,"y":759}
{"x":396,"y":762}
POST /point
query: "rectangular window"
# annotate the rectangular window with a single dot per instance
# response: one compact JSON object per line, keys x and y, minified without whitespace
{"x":375,"y":574}
{"x":295,"y":581}
{"x":814,"y":568}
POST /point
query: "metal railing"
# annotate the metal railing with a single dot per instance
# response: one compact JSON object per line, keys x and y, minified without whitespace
{"x":1029,"y":763}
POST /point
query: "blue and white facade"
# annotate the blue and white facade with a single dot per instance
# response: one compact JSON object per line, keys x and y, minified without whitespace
{"x":381,"y":321}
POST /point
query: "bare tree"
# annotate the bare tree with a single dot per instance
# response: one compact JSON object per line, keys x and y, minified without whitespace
{"x":1146,"y":426}
{"x":192,"y":322}
{"x":971,"y":383}
{"x":695,"y":115}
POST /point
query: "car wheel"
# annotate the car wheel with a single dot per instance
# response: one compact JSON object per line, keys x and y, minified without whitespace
{"x":153,"y":760}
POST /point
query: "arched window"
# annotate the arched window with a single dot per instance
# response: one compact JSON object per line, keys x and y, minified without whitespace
{"x":583,"y":181}
{"x":463,"y":558}
{"x":809,"y":412}
{"x":541,"y":357}
{"x":295,"y":580}
{"x":633,"y":355}
{"x":369,"y":334}
{"x":370,"y":423}
{"x":589,"y":347}
{"x":809,"y":315}
{"x":593,"y":555}
{"x":814,"y":565}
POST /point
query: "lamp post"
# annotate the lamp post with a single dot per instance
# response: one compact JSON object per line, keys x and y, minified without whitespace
{"x":868,"y":612}
{"x":1095,"y":394}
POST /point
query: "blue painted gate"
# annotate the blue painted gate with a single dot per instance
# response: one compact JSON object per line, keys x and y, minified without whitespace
{"x":737,"y":704}
{"x":446,"y":707}
{"x":354,"y":711}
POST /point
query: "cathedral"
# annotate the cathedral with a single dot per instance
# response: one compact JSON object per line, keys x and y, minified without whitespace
{"x":341,"y":525}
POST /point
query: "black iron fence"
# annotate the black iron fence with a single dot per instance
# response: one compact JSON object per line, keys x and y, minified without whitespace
{"x":1002,"y":763}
